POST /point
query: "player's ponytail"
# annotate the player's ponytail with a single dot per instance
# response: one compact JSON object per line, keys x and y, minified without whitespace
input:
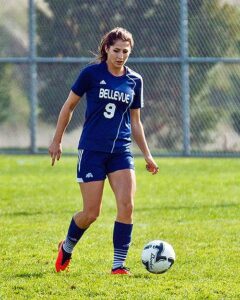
{"x":110,"y":38}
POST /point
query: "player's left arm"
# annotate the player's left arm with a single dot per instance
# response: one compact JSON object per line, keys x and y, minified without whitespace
{"x":139,"y":137}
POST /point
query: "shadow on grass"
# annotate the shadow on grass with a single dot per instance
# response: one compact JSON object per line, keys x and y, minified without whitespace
{"x":30,"y":214}
{"x":224,"y":205}
{"x":29,"y":275}
{"x":22,"y":213}
{"x":141,"y":276}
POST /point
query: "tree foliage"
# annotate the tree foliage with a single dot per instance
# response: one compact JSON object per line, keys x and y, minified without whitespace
{"x":74,"y":28}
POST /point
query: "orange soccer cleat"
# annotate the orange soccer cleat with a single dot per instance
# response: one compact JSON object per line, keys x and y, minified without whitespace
{"x":121,"y":271}
{"x":63,"y":259}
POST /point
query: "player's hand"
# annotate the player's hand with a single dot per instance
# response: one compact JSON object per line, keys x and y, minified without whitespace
{"x":55,"y":151}
{"x":151,"y":165}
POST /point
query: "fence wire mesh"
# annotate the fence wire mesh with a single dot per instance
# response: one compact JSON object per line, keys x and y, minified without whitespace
{"x":68,"y":32}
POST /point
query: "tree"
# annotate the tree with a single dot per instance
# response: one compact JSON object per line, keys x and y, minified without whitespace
{"x":75,"y":27}
{"x":213,"y":30}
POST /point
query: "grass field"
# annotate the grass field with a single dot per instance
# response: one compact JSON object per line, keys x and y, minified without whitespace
{"x":192,"y":203}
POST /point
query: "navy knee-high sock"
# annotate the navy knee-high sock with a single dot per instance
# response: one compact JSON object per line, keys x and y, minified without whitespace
{"x":122,"y":234}
{"x":73,"y":236}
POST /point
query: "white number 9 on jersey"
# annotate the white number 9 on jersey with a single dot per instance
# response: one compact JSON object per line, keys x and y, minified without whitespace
{"x":109,"y":110}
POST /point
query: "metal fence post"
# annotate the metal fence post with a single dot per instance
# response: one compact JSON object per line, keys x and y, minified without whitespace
{"x":185,"y":77}
{"x":33,"y":75}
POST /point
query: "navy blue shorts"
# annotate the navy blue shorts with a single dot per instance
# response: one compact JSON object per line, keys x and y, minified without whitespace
{"x":95,"y":165}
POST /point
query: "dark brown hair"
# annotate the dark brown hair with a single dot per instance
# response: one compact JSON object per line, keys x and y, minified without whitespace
{"x":110,"y":38}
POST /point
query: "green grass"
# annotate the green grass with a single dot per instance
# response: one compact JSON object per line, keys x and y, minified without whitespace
{"x":192,"y":203}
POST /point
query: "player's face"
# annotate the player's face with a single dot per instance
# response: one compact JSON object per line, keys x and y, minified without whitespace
{"x":118,"y":54}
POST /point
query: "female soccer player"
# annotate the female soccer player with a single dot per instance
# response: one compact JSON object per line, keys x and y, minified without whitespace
{"x":114,"y":96}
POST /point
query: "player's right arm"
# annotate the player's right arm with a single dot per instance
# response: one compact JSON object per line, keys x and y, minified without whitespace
{"x":55,"y":149}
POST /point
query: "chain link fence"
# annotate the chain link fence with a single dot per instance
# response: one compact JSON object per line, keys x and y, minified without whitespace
{"x":186,"y":51}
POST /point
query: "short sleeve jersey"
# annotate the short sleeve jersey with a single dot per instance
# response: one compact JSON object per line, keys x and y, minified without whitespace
{"x":109,"y":98}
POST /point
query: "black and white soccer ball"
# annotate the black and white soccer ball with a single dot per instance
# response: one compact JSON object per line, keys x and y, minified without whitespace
{"x":158,"y":256}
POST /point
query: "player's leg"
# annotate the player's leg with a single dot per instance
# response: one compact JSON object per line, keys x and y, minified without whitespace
{"x":123,"y":184}
{"x":92,"y":199}
{"x":90,"y":175}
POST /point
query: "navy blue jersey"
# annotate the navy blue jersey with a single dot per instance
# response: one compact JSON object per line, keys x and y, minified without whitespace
{"x":107,"y":125}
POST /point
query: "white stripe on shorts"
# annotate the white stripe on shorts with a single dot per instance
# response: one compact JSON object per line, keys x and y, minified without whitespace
{"x":80,"y":153}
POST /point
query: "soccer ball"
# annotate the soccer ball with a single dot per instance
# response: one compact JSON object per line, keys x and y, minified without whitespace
{"x":158,"y":256}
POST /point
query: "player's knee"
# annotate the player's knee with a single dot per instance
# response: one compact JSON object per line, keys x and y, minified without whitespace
{"x":91,"y":217}
{"x":126,"y":208}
